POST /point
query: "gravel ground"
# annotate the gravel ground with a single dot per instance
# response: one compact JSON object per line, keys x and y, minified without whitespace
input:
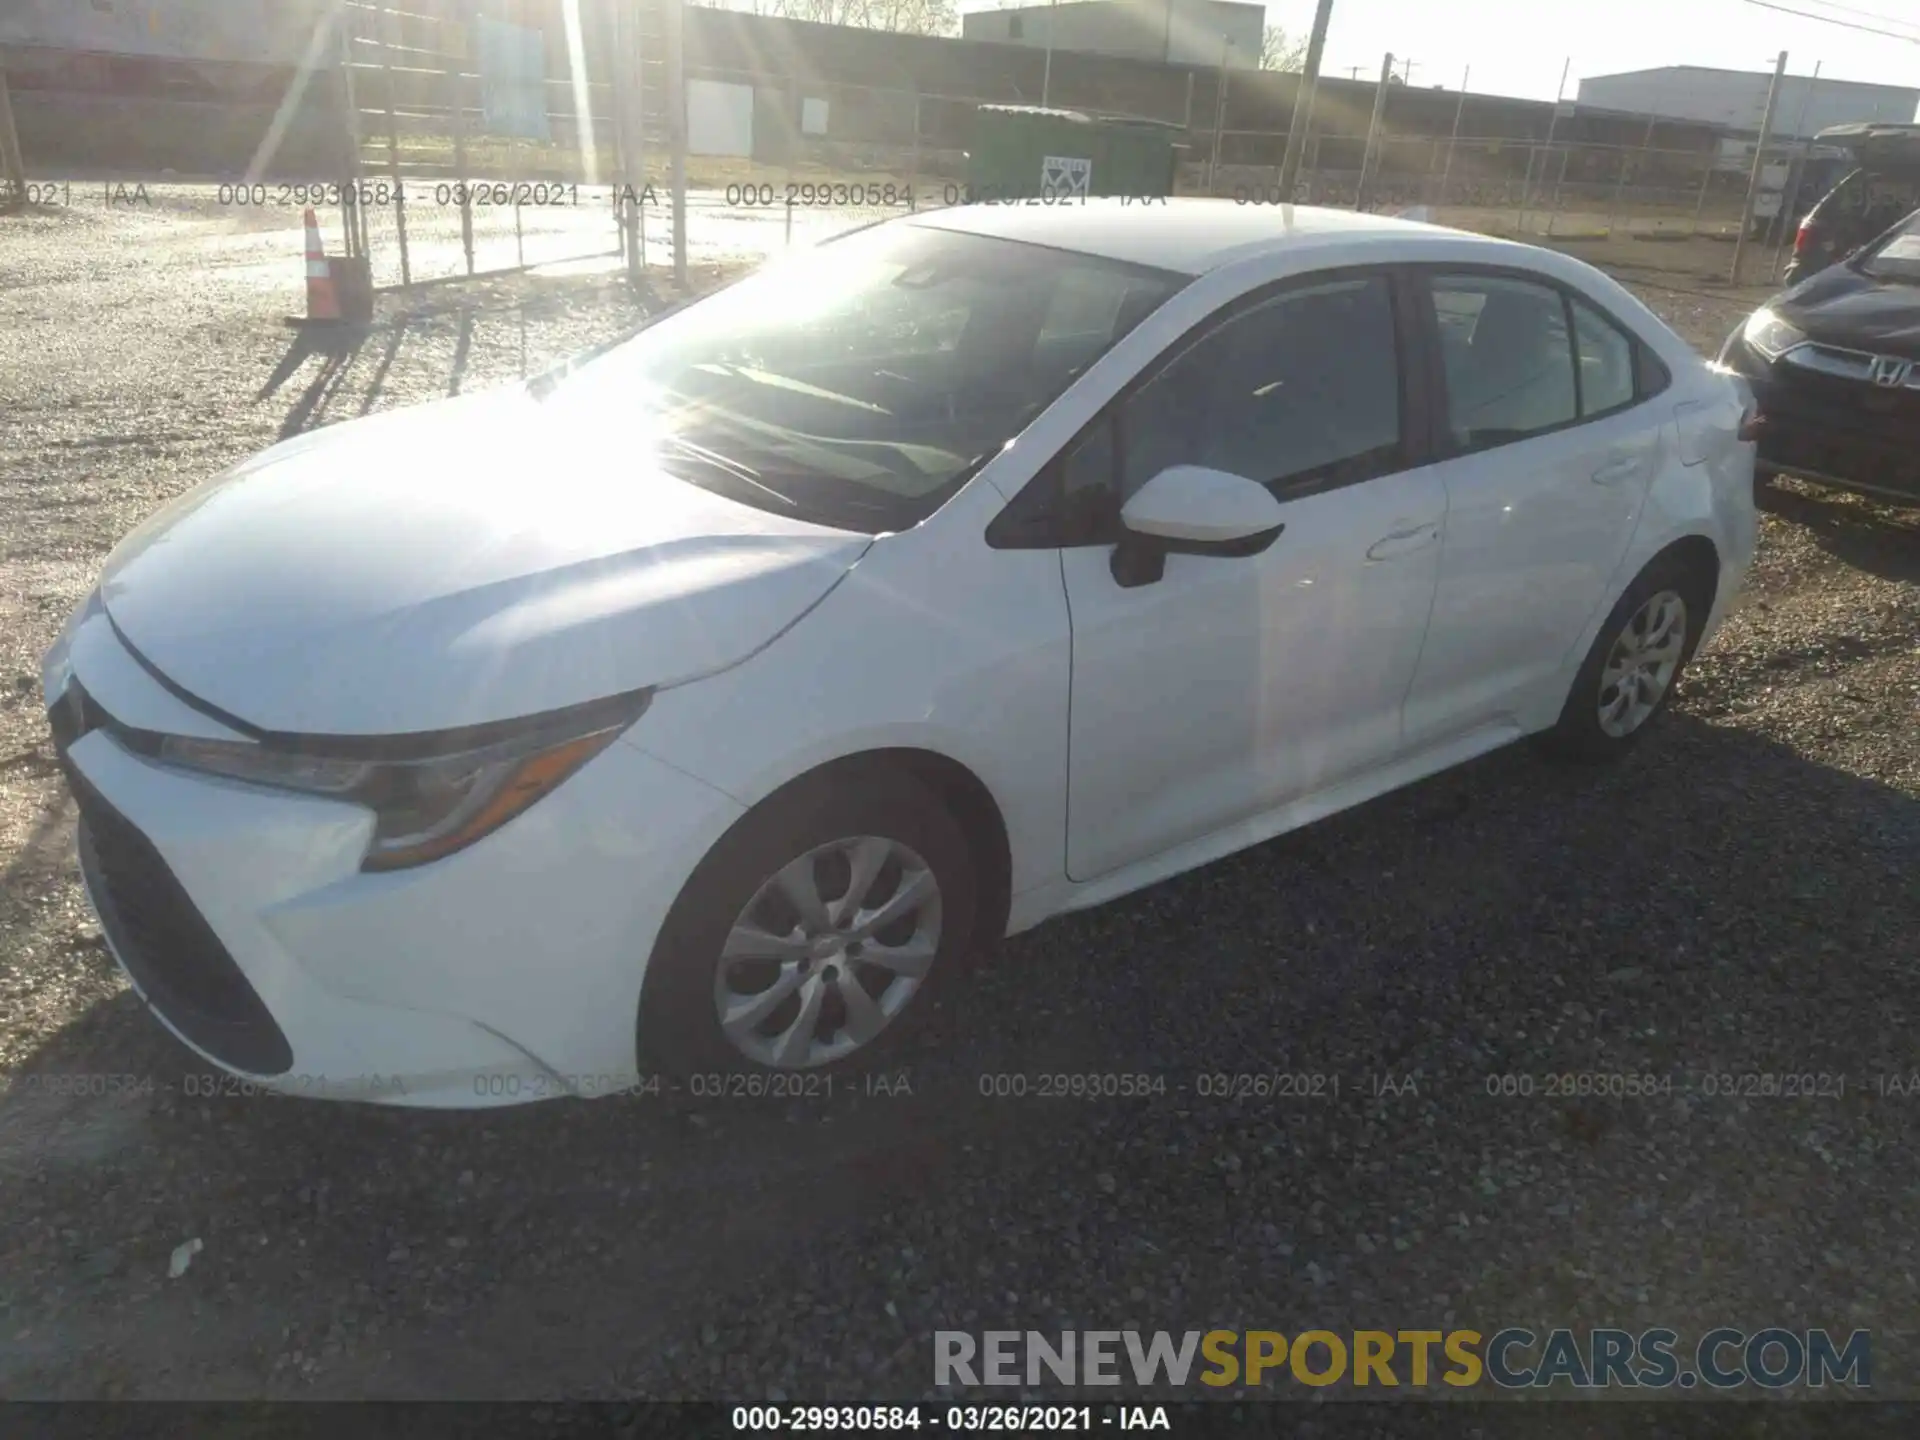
{"x":1739,"y":897}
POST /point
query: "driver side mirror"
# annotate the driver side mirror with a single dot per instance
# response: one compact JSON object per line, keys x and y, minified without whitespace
{"x":1192,"y":510}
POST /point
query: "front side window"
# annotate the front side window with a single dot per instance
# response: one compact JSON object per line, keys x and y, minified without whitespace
{"x":860,"y":384}
{"x":1299,"y":392}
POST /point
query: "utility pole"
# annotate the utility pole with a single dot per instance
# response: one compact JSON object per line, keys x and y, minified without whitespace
{"x":1303,"y":102}
{"x":1373,"y":133}
{"x":1407,"y":76}
{"x":16,"y":168}
{"x":1759,"y":163}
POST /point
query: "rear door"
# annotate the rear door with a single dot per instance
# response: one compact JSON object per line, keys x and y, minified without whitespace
{"x":1552,"y":443}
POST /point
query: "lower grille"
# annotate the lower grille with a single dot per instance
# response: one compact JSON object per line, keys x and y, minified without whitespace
{"x":167,"y":945}
{"x":1839,"y":455}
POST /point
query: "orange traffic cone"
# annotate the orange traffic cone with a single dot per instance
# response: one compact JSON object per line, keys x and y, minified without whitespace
{"x":322,"y":302}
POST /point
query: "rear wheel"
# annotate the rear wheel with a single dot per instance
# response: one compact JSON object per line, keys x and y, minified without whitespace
{"x":813,"y":937}
{"x":1636,"y":659}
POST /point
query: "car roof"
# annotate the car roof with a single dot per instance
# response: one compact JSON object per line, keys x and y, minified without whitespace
{"x":1877,"y":145}
{"x":1189,"y":235}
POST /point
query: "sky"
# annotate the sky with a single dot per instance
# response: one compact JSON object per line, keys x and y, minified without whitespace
{"x":1517,"y":47}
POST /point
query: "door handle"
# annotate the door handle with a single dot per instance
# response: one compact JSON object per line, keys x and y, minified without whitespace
{"x":1403,"y":542}
{"x":1614,"y":471}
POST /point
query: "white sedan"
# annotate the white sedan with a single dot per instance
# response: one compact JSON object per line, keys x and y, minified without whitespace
{"x":704,"y":704}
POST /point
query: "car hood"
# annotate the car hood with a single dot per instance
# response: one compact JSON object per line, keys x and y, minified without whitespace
{"x":461,"y":562}
{"x":1840,"y":306}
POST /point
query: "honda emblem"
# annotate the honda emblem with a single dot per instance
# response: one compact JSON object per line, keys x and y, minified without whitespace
{"x":1890,"y":370}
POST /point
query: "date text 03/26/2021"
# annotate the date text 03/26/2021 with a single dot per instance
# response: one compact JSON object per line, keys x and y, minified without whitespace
{"x":961,"y":1419}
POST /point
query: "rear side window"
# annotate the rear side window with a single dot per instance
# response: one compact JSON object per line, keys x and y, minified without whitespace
{"x":1508,"y":358}
{"x":1605,"y":354}
{"x":1650,"y":371}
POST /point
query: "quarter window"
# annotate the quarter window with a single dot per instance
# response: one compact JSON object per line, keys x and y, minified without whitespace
{"x":1300,"y":392}
{"x":1508,"y":358}
{"x":1606,"y":362}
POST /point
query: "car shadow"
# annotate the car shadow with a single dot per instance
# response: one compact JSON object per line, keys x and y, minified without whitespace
{"x":1876,"y":536}
{"x":1687,"y":912}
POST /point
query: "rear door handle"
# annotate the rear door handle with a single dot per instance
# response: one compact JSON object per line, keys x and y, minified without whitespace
{"x":1403,"y":542}
{"x":1614,"y":471}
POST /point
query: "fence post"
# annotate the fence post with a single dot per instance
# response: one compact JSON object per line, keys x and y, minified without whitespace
{"x":913,"y":162}
{"x":1553,"y":205}
{"x":628,"y":135}
{"x":455,"y":70}
{"x":1373,"y":132}
{"x":16,"y":167}
{"x":1303,"y":94}
{"x":1219,"y":117}
{"x":1759,"y":168}
{"x":353,"y":208}
{"x":1700,"y":205}
{"x":1526,"y":189}
{"x":1796,"y":173}
{"x":1620,"y":186}
{"x":677,"y":133}
{"x":1453,"y":139}
{"x":1553,"y":126}
{"x":393,"y":148}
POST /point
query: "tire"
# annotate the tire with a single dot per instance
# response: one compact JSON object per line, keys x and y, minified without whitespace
{"x":1584,"y":733}
{"x":818,"y":829}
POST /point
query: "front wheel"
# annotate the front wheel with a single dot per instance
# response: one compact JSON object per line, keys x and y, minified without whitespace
{"x":813,"y":936}
{"x":1636,"y":659}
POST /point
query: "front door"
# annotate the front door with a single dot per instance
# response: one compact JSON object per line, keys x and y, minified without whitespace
{"x":1232,"y":685}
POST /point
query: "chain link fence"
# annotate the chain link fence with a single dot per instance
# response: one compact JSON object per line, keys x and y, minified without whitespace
{"x":775,"y":149}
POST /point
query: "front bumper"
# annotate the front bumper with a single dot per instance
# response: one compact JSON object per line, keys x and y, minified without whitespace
{"x":1837,"y":431}
{"x":508,"y":972}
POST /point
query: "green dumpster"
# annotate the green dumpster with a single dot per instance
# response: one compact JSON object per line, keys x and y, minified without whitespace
{"x":1023,"y":152}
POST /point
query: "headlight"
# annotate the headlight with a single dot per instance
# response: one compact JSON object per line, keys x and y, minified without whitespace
{"x":56,"y":666}
{"x":1770,"y":335}
{"x":425,"y":806}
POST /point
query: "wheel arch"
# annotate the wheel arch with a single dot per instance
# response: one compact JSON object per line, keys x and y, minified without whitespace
{"x":960,"y":791}
{"x":1699,"y":559}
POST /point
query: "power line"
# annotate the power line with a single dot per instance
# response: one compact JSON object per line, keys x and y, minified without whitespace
{"x":1863,"y":14}
{"x":1830,"y":20}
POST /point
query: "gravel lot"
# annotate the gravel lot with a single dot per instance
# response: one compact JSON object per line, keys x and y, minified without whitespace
{"x":1740,"y":897}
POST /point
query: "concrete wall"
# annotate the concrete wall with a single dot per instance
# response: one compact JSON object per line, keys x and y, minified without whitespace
{"x":1737,"y":99}
{"x":1187,"y":32}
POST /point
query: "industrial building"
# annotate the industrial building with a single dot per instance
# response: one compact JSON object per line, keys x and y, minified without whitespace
{"x":1176,"y":32}
{"x":1736,"y":100}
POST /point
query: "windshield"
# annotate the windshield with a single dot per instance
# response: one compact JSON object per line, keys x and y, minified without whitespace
{"x":1896,"y":256}
{"x":863,"y":382}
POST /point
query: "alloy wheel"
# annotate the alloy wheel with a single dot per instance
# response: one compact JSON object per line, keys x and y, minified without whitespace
{"x":1642,"y":663}
{"x":828,"y":952}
